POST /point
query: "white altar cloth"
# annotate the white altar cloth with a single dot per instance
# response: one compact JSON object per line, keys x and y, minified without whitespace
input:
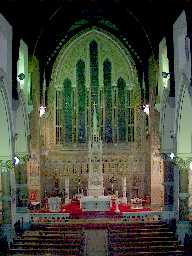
{"x":91,"y":203}
{"x":54,"y":204}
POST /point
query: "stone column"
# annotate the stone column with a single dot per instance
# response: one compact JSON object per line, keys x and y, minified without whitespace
{"x":6,"y":200}
{"x":183,"y":194}
{"x":183,"y":225}
{"x":124,"y":190}
{"x":168,"y":185}
{"x":66,"y":189}
{"x":190,"y":191}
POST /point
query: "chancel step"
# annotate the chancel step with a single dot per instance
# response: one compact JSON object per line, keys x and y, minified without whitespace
{"x":143,"y":239}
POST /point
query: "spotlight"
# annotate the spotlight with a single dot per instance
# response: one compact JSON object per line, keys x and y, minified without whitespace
{"x":42,"y":110}
{"x":21,"y":76}
{"x":172,"y":155}
{"x":166,"y":75}
{"x":146,"y":109}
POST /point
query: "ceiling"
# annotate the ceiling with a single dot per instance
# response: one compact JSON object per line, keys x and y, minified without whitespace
{"x":42,"y":24}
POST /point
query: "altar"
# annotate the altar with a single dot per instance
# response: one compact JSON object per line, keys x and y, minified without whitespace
{"x":92,"y":203}
{"x":54,"y":204}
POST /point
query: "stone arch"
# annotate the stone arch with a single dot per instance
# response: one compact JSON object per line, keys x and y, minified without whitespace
{"x":58,"y":71}
{"x":6,"y":149}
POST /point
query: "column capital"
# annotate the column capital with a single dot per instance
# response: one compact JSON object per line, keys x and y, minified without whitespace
{"x":183,"y":164}
{"x":6,"y":165}
{"x":23,"y":158}
{"x":183,"y":196}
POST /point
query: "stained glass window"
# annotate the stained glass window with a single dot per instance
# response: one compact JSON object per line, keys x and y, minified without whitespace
{"x":108,"y":100}
{"x":121,"y":110}
{"x":94,"y":71}
{"x":81,"y":92}
{"x":67,"y":111}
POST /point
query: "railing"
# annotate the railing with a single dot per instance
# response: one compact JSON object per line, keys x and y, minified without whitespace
{"x":150,"y":216}
{"x":49,"y":217}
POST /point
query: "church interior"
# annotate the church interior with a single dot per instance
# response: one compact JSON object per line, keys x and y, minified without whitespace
{"x":96,"y":127}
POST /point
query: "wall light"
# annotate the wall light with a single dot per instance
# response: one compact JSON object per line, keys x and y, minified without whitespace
{"x":16,"y":160}
{"x":21,"y":76}
{"x":172,"y":155}
{"x":42,"y":110}
{"x":146,"y":109}
{"x":165,"y":75}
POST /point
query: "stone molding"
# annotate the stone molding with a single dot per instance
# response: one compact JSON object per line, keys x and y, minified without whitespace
{"x":6,"y":164}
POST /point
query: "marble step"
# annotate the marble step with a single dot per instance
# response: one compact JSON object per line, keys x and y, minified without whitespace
{"x":140,"y":243}
{"x":170,"y":253}
{"x":141,"y":234}
{"x":152,"y":248}
{"x":47,"y":241}
{"x":144,"y":238}
{"x":141,"y":229}
{"x":42,"y":251}
{"x":44,"y":245}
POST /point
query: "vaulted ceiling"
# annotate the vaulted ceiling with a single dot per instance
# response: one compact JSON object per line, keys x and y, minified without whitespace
{"x":43,"y":24}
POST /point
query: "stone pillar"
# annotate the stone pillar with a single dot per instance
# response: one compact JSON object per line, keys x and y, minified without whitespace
{"x":176,"y":189}
{"x":124,"y":190}
{"x":157,"y":181}
{"x":183,"y":194}
{"x":183,"y":225}
{"x":168,"y":185}
{"x":190,"y":190}
{"x":6,"y":199}
{"x":66,"y":189}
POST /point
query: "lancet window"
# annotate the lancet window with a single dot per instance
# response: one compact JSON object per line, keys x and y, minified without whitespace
{"x":68,"y":111}
{"x":76,"y":99}
{"x":108,"y":100}
{"x":81,"y":96}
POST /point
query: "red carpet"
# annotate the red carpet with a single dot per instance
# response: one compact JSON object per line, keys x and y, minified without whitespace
{"x":74,"y":209}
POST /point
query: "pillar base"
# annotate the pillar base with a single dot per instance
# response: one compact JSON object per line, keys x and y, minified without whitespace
{"x":183,"y":229}
{"x":8,"y":232}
